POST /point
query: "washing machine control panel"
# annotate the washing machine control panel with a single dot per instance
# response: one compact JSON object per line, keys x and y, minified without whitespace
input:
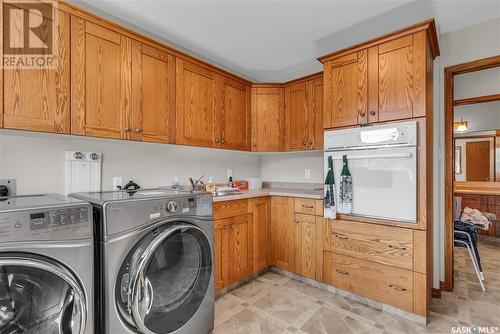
{"x":64,"y":223}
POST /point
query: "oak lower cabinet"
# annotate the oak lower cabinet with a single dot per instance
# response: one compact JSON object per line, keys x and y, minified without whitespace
{"x":282,"y":233}
{"x":384,"y":263}
{"x":233,"y":253}
{"x":39,"y":99}
{"x":261,"y":209}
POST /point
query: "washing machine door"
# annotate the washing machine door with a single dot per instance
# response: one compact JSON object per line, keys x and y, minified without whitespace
{"x":39,"y":295}
{"x":169,"y":274}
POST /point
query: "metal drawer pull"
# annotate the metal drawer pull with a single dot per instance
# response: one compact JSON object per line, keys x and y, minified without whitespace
{"x":341,"y":237}
{"x":397,"y":248}
{"x":308,"y":206}
{"x":297,"y":221}
{"x":342,"y":272}
{"x":396,"y":288}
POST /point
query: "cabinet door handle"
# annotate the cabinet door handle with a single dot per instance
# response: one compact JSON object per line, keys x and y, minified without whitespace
{"x":126,"y":129}
{"x":138,"y":130}
{"x":304,"y":142}
{"x":216,"y":140}
{"x":310,"y":142}
{"x":307,"y":206}
{"x":226,"y":227}
{"x":372,"y":112}
{"x":222,"y":141}
{"x":342,"y":272}
{"x":297,"y":221}
{"x":254,"y":145}
{"x":362,"y":114}
{"x":397,"y":288}
{"x":341,"y":237}
{"x":232,"y":226}
{"x":397,"y":248}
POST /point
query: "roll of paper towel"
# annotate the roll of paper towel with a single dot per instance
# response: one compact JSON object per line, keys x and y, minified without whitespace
{"x":254,"y":183}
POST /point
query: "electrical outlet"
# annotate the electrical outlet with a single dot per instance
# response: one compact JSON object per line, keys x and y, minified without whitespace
{"x":307,"y":173}
{"x":117,"y":182}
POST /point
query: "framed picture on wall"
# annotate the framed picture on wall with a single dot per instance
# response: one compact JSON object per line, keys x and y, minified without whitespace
{"x":458,"y":160}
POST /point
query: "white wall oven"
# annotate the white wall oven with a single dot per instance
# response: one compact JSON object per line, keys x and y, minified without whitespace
{"x":382,"y":160}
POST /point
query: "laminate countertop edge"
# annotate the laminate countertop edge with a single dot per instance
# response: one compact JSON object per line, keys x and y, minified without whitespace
{"x":298,"y":193}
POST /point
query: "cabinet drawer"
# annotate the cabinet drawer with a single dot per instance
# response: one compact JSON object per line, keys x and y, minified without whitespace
{"x":230,"y":208}
{"x":305,"y":205}
{"x":389,"y":285}
{"x":383,"y":244}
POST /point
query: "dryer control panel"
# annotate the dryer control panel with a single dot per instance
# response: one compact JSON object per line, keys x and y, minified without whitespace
{"x":54,"y":224}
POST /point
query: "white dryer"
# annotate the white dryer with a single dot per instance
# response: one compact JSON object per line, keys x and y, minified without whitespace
{"x":46,"y":265}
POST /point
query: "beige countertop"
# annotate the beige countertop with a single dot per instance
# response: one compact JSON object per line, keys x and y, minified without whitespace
{"x":302,"y":193}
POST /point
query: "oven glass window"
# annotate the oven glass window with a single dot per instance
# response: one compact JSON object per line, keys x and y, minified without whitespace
{"x":33,"y":300}
{"x":177,"y":276}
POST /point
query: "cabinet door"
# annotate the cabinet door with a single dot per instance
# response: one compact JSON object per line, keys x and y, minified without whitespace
{"x":196,"y":104}
{"x":235,"y":115}
{"x":305,"y":245}
{"x":221,"y":247}
{"x":400,"y":77}
{"x":316,"y":108}
{"x":345,"y":90}
{"x":153,"y":94}
{"x":38,"y":99}
{"x":240,"y":246}
{"x":100,"y":80}
{"x":298,"y":117}
{"x":267,"y":119}
{"x":282,"y":232}
{"x":261,"y":231}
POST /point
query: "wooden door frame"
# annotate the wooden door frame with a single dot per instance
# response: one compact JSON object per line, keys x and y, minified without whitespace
{"x":449,"y":102}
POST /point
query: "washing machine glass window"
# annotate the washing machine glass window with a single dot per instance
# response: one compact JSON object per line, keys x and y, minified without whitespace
{"x":167,"y":277}
{"x":38,"y":295}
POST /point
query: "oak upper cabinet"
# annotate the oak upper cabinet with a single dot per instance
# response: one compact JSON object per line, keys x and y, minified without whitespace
{"x":152,"y":114}
{"x":267,"y":119}
{"x":39,"y":99}
{"x":346,"y":90}
{"x":282,"y":232}
{"x":196,"y":104}
{"x":399,"y":73}
{"x":386,"y":79}
{"x":298,"y":117}
{"x":261,"y":209}
{"x":100,"y":80}
{"x":304,"y":115}
{"x":234,"y":119}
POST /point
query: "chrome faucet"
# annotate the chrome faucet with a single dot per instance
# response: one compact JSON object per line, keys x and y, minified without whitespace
{"x":197,"y":185}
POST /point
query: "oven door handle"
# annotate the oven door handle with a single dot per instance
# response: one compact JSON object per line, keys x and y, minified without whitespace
{"x":374,"y":156}
{"x":367,"y":148}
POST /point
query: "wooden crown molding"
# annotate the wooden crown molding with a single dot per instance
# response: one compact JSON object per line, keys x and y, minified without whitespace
{"x":308,"y":77}
{"x":428,"y":25}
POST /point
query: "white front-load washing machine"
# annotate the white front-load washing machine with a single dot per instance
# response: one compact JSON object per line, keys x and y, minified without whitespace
{"x":46,"y":265}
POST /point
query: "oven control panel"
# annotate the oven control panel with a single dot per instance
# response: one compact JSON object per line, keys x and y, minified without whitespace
{"x":63,"y":223}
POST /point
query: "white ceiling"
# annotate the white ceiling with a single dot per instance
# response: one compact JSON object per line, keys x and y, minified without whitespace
{"x":274,"y":41}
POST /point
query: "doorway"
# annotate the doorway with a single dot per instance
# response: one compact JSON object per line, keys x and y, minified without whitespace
{"x":472,"y":140}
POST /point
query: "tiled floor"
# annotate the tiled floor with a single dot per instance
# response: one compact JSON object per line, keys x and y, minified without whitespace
{"x":274,"y":304}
